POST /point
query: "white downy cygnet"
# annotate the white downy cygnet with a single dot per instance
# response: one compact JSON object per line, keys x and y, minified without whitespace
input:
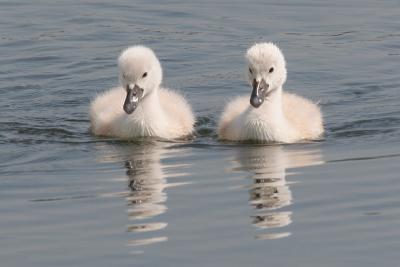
{"x":139,"y":107}
{"x":272,"y":114}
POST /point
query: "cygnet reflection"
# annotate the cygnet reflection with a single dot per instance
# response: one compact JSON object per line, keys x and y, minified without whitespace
{"x":270,"y":194}
{"x":146,"y":183}
{"x":146,"y":178}
{"x":146,"y":198}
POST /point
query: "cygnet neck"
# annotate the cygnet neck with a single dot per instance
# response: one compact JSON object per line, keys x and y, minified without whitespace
{"x":274,"y":101}
{"x":151,"y":105}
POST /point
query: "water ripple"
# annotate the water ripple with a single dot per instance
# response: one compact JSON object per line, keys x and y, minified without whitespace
{"x":270,"y":194}
{"x":148,"y":178}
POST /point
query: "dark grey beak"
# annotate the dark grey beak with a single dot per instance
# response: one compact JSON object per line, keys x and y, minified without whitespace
{"x":258,"y":94}
{"x":133,"y":96}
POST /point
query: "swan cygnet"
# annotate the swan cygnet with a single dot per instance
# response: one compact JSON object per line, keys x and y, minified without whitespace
{"x":272,"y":114}
{"x":139,"y":107}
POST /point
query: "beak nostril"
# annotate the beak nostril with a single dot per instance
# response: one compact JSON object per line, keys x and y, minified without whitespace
{"x":254,"y":82}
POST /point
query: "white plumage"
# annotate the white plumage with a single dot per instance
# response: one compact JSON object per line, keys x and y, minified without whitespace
{"x":271,"y":115}
{"x":139,"y":107}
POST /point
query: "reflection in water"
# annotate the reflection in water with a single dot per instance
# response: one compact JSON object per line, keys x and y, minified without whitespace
{"x":147,"y":198}
{"x":147,"y":179}
{"x":270,"y":194}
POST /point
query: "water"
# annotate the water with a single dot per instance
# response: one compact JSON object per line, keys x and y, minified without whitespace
{"x":70,"y":199}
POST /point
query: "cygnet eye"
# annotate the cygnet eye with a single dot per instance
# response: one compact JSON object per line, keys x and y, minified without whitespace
{"x":144,"y":75}
{"x":271,"y":70}
{"x":251,"y":72}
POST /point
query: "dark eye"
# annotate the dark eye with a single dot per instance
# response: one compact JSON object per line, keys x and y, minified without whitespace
{"x":271,"y":70}
{"x":250,"y":71}
{"x":144,"y":75}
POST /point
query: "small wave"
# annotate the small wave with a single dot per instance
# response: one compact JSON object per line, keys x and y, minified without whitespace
{"x":358,"y":133}
{"x":47,"y":132}
{"x":365,"y":158}
{"x":40,"y":131}
{"x":62,"y":198}
{"x":366,"y":127}
{"x":24,"y":87}
{"x":337,"y":34}
{"x":206,"y":127}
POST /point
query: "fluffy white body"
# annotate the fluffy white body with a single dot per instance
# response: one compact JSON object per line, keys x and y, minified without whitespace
{"x":148,"y":111}
{"x":271,"y":115}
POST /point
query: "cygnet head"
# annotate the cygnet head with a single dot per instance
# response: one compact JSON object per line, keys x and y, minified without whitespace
{"x":140,"y":74}
{"x":266,"y":71}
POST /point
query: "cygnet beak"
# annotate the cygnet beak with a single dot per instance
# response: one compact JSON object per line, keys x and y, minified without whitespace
{"x":133,"y":96}
{"x":258,"y":94}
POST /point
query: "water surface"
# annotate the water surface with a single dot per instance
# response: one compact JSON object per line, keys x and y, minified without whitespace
{"x":71,"y":199}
